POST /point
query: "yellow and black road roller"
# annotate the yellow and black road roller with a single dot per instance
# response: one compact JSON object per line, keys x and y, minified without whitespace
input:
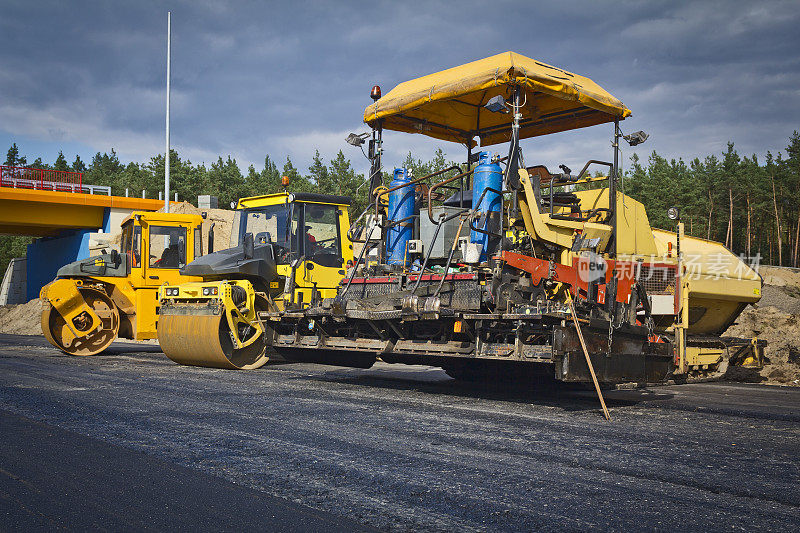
{"x":287,"y":250}
{"x":93,"y":301}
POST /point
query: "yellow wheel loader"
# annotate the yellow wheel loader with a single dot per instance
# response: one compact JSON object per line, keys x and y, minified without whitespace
{"x":93,"y":301}
{"x":287,"y":250}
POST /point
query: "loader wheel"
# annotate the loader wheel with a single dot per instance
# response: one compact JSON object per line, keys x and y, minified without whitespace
{"x":57,"y":332}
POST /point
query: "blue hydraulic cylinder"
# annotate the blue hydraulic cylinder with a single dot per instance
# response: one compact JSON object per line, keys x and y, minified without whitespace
{"x":487,"y":178}
{"x":400,"y":215}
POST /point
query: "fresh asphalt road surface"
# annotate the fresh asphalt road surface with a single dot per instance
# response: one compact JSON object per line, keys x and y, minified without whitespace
{"x":127,"y":439}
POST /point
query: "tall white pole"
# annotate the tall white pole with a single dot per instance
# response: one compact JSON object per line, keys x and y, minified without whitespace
{"x":166,"y":154}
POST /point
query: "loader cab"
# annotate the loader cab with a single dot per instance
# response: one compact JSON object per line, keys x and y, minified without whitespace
{"x":157,"y":245}
{"x":308,"y":233}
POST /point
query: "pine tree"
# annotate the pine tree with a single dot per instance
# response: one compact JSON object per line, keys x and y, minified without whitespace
{"x":348,"y":183}
{"x":12,"y":156}
{"x":185,"y":179}
{"x":269,"y":179}
{"x":297,"y":182}
{"x":251,"y":180}
{"x":78,"y":165}
{"x":792,"y":172}
{"x":731,"y":176}
{"x":106,"y":169}
{"x":318,"y":175}
{"x":227,"y":180}
{"x":38,"y":163}
{"x":61,"y":162}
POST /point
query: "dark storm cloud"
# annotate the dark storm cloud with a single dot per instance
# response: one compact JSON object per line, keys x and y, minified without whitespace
{"x":252,"y":79}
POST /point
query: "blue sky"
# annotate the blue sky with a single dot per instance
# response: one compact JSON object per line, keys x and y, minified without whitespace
{"x":286,"y":78}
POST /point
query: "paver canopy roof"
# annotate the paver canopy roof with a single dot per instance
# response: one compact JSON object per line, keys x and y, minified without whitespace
{"x":449,"y":104}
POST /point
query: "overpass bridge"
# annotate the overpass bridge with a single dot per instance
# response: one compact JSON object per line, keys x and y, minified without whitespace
{"x":63,"y":212}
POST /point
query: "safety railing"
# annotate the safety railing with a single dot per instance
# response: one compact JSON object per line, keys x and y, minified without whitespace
{"x":375,"y":205}
{"x":556,"y":201}
{"x":431,"y":196}
{"x":48,"y":180}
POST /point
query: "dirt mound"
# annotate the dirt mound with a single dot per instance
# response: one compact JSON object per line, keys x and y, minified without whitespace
{"x":785,"y":298}
{"x":780,"y":277}
{"x":775,"y":319}
{"x":781,"y":330}
{"x":24,"y":319}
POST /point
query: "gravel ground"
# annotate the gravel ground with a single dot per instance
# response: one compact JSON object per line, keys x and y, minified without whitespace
{"x":406,"y":448}
{"x":784,"y":298}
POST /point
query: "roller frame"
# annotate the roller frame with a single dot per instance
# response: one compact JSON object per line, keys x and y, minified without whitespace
{"x":190,"y":325}
{"x":67,"y":299}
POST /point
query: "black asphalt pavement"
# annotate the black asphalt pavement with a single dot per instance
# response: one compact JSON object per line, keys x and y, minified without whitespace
{"x":131,"y":441}
{"x":52,"y":478}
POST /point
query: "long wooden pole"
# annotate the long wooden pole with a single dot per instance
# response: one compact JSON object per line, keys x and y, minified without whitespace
{"x":588,"y":359}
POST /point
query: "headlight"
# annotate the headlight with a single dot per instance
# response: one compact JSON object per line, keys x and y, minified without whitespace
{"x":673,"y":213}
{"x":209,"y":291}
{"x":171,"y":291}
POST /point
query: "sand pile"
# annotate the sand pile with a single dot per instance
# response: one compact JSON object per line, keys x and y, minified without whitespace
{"x":775,"y":319}
{"x":24,"y":319}
{"x":786,"y":298}
{"x":780,"y":277}
{"x":782,"y":331}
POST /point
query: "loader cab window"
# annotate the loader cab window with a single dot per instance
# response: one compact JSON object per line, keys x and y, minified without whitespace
{"x":235,"y":229}
{"x":167,"y":247}
{"x":198,"y":242}
{"x":322,"y":243}
{"x":131,"y":244}
{"x":269,"y":225}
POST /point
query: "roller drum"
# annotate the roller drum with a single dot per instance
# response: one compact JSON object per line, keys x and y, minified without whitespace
{"x":204,"y":339}
{"x":60,"y":335}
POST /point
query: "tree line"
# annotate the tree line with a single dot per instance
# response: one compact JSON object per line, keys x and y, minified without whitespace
{"x":222,"y":178}
{"x":751,"y":206}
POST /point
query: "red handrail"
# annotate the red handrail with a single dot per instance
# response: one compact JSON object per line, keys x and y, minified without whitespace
{"x":53,"y":178}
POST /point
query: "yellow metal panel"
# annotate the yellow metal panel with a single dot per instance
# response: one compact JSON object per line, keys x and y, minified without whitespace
{"x":262,"y":201}
{"x":23,"y":213}
{"x":535,"y":223}
{"x":704,"y":257}
{"x":146,"y":305}
{"x":699,"y":357}
{"x":96,"y":200}
{"x":275,"y":199}
{"x":449,"y":104}
{"x":634,"y":236}
{"x":344,"y":227}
